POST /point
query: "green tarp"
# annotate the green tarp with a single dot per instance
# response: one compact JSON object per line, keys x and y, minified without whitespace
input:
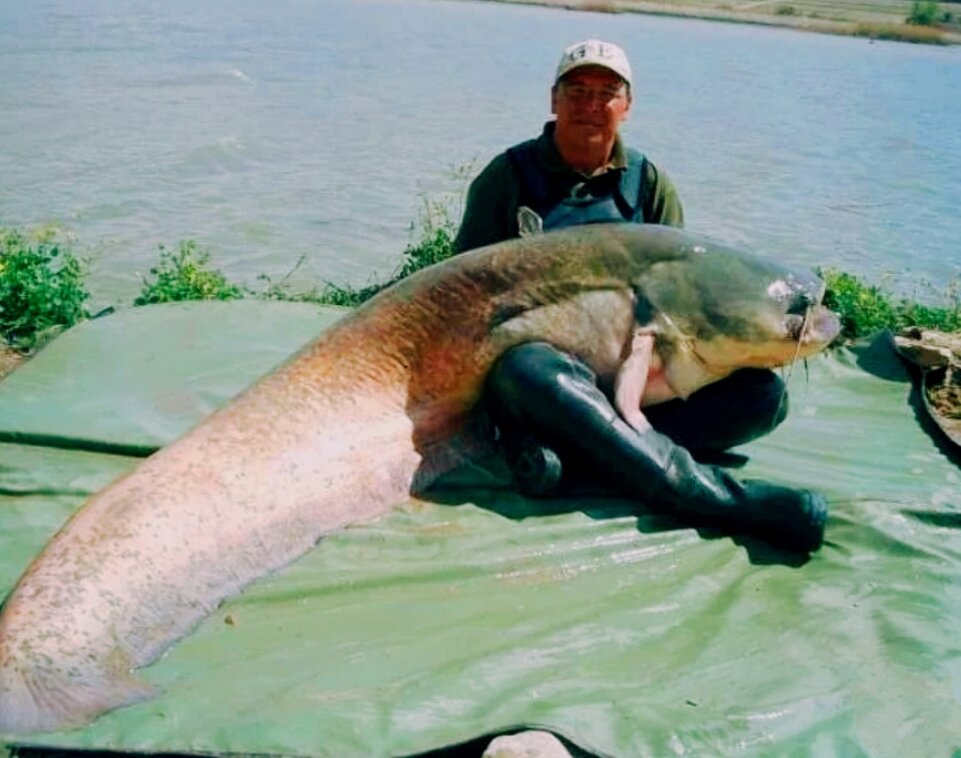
{"x":474,"y":611}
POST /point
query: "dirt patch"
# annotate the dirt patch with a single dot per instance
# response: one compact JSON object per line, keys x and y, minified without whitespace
{"x":9,"y":360}
{"x":946,"y":398}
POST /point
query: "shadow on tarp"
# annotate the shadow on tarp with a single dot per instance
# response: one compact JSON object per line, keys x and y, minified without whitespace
{"x":472,"y":748}
{"x":600,"y":504}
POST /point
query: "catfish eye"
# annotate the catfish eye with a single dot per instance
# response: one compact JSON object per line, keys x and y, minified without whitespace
{"x":800,"y":303}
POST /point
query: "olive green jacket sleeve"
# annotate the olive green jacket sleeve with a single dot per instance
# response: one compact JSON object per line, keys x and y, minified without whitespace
{"x":490,"y":213}
{"x":662,"y":204}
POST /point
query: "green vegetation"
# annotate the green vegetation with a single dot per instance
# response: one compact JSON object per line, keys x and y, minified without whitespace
{"x":924,"y":13}
{"x":42,"y":288}
{"x":435,"y":242}
{"x":436,"y":230}
{"x":185,"y":275}
{"x":329,"y":294}
{"x":867,"y":309}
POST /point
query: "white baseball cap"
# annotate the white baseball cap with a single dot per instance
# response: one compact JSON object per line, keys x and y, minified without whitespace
{"x":594,"y":52}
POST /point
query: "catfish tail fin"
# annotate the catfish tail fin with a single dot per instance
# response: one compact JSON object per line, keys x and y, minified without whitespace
{"x":45,"y":701}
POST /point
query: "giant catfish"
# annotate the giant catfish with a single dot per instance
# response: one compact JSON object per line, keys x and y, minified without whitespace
{"x":375,"y":408}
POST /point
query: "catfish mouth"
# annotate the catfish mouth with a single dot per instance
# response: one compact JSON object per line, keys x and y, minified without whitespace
{"x":815,"y":327}
{"x":806,"y":321}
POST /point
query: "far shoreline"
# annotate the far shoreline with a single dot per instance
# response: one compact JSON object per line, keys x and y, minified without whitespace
{"x":884,"y":21}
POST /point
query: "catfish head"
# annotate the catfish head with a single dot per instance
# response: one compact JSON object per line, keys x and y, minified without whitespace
{"x":713,"y":310}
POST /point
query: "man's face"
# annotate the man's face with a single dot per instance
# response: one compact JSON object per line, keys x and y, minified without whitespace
{"x":590,"y":103}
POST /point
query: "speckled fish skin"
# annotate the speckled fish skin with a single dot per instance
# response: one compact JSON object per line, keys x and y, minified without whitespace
{"x":373,"y":409}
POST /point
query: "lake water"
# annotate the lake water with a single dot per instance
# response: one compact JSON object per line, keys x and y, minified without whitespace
{"x":312,"y":128}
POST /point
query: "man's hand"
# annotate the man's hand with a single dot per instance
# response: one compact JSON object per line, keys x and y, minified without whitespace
{"x":631,"y":380}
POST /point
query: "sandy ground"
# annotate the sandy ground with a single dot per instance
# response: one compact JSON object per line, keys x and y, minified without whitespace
{"x":868,"y":18}
{"x":9,"y":360}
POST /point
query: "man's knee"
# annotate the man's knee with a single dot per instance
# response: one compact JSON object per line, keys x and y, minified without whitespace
{"x":733,"y":411}
{"x":533,"y":371}
{"x":764,"y":394}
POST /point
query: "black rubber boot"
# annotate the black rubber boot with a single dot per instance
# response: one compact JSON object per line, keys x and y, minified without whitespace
{"x":555,"y":400}
{"x":650,"y":464}
{"x":536,"y":468}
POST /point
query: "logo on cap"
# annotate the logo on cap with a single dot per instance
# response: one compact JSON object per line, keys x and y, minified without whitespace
{"x":594,"y":52}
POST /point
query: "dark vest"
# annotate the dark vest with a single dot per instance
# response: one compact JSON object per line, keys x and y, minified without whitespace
{"x":615,"y":195}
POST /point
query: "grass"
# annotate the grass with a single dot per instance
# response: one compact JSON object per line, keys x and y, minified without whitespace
{"x":924,"y":13}
{"x":901,"y":33}
{"x":185,"y":274}
{"x":42,"y":288}
{"x":866,"y":309}
{"x":436,"y":230}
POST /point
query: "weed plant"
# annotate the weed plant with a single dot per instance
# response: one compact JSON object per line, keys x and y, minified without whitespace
{"x":328,"y":294}
{"x":436,"y":231}
{"x":924,"y":13}
{"x":867,"y":309}
{"x":42,"y":288}
{"x":185,"y":274}
{"x":436,"y":242}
